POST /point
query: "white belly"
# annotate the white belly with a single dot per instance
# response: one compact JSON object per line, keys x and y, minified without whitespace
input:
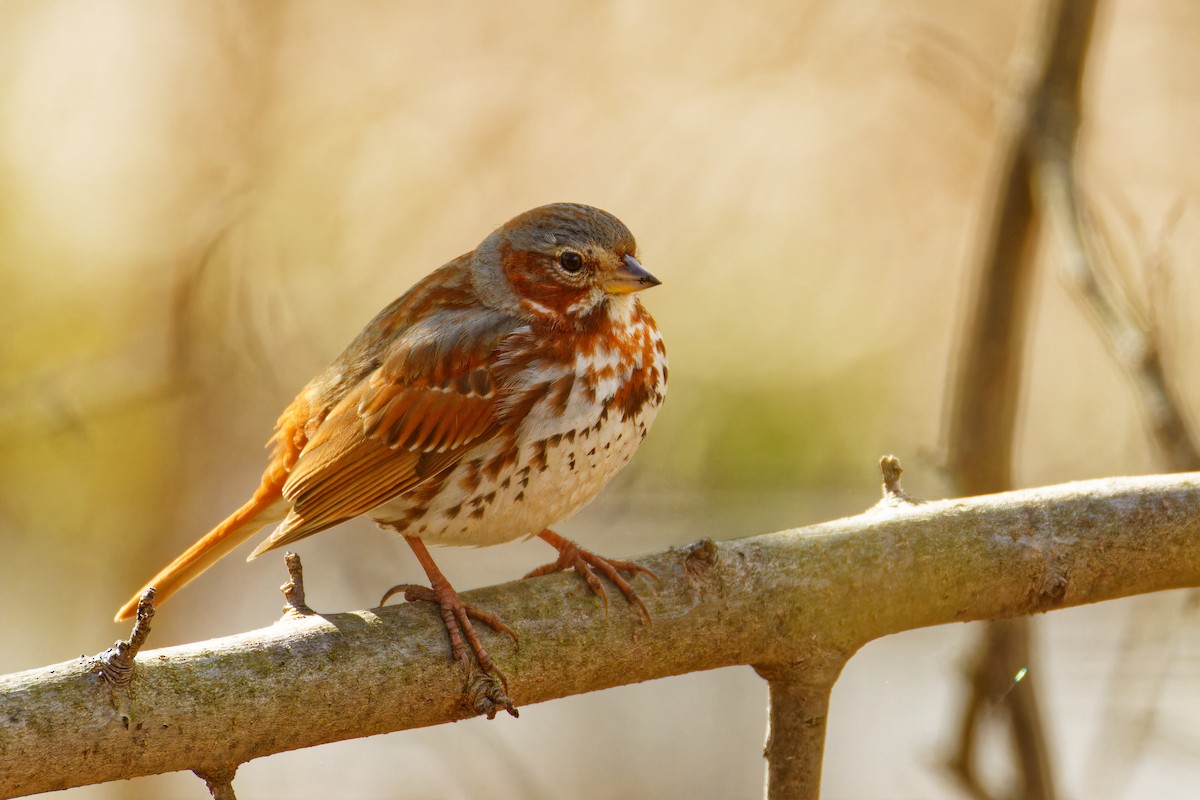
{"x":545,"y":486}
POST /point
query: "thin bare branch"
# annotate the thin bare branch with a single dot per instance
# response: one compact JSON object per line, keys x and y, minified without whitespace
{"x":1127,"y":330}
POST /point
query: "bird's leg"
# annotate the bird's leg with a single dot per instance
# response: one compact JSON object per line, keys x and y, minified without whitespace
{"x":456,"y":615}
{"x":572,"y":556}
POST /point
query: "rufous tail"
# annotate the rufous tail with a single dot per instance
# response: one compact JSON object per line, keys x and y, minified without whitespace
{"x":266,"y":507}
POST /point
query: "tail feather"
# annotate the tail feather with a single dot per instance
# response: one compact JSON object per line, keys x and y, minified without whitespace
{"x":266,"y":507}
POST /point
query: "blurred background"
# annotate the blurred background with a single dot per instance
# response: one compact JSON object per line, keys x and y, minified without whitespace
{"x":202,"y":202}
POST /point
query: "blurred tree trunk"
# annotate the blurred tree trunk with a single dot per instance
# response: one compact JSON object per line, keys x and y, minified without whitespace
{"x":984,"y":397}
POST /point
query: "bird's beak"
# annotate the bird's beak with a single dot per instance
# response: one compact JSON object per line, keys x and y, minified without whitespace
{"x":631,"y":277}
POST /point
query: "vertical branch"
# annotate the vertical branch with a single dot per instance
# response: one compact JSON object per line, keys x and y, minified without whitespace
{"x":799,"y":708}
{"x":219,"y":782}
{"x":983,"y":404}
{"x":983,"y":401}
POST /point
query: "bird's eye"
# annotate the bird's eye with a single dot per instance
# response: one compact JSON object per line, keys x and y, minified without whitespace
{"x":570,"y":261}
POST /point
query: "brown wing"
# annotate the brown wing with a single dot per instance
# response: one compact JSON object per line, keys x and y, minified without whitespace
{"x":433,"y":396}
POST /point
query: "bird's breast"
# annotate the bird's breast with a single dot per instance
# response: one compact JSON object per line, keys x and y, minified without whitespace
{"x":581,"y":421}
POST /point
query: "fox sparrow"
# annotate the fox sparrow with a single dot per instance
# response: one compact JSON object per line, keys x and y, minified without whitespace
{"x":495,"y":398}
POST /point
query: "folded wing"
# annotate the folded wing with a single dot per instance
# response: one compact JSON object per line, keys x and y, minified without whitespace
{"x":433,"y":397}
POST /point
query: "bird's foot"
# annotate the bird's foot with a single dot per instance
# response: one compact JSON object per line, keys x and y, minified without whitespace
{"x":457,"y":616}
{"x":585,"y":562}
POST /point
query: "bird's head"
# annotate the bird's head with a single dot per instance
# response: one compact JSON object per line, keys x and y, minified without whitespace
{"x":561,"y":263}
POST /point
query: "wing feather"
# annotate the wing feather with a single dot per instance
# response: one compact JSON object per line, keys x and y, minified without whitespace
{"x":431,"y":398}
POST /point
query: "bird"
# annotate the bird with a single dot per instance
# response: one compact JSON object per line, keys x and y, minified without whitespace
{"x":491,"y":401}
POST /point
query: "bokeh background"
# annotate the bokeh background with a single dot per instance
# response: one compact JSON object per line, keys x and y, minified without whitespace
{"x":201,"y":202}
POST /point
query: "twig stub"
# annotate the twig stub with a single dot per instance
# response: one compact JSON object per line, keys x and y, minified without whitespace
{"x":115,"y":665}
{"x":293,"y":590}
{"x":893,"y":492}
{"x":889,"y":465}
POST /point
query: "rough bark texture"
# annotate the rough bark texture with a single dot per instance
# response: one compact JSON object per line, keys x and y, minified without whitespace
{"x":770,"y":601}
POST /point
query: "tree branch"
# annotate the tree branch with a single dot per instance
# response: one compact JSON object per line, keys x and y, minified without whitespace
{"x":771,"y":601}
{"x":798,"y":710}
